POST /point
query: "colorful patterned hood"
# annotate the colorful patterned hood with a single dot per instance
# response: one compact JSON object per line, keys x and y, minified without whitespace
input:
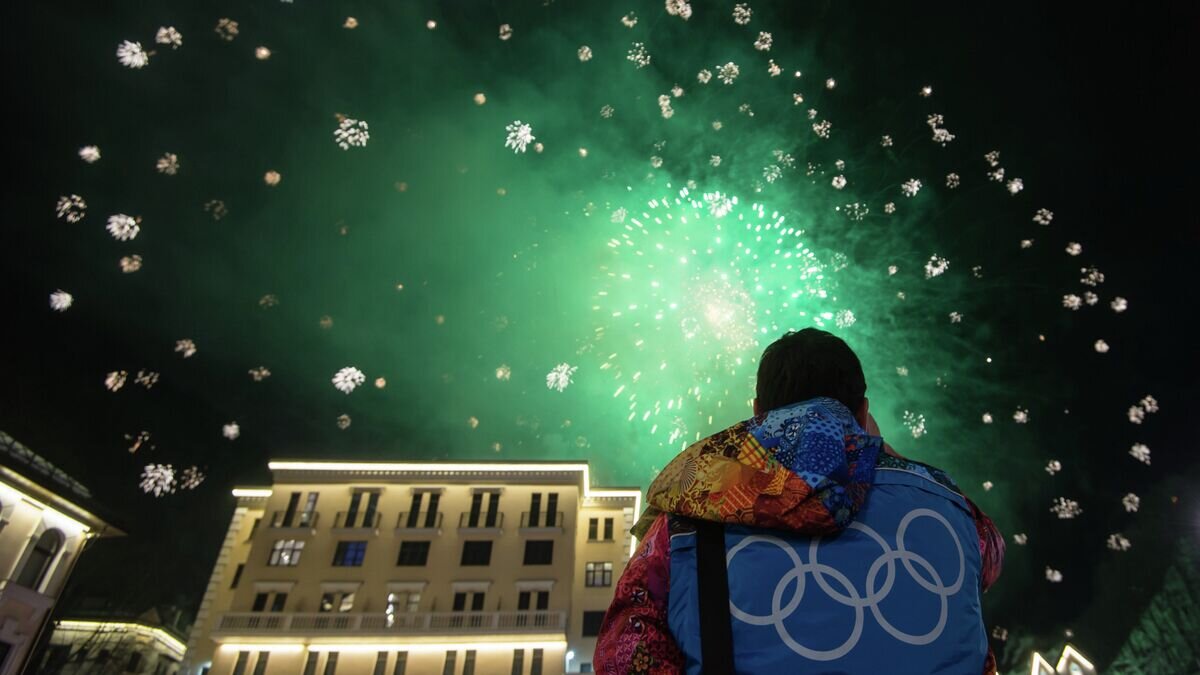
{"x":804,"y":468}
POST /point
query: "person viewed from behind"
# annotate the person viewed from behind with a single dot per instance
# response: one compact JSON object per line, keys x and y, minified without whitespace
{"x":798,"y":541}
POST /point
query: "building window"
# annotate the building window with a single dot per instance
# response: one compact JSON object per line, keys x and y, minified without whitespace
{"x":593,"y":528}
{"x":260,"y":602}
{"x":552,"y":509}
{"x":401,"y":663}
{"x":310,"y":663}
{"x":477,"y":553}
{"x":598,"y":574}
{"x":349,"y":553}
{"x":401,"y":602}
{"x":539,"y":552}
{"x":237,"y":575}
{"x":608,"y":529}
{"x":493,"y":509}
{"x":286,"y":552}
{"x":280,"y":601}
{"x":307,"y":515}
{"x":37,"y":561}
{"x":135,"y":662}
{"x":429,"y":517}
{"x":591,"y":623}
{"x":460,"y":605}
{"x":260,"y":666}
{"x":331,"y":663}
{"x":381,"y":663}
{"x":239,"y":666}
{"x":585,"y":667}
{"x":518,"y":667}
{"x":540,"y":603}
{"x":535,"y":509}
{"x":535,"y":668}
{"x":337,"y":602}
{"x":448,"y":666}
{"x":356,"y":505}
{"x":413,"y":553}
{"x":469,"y":663}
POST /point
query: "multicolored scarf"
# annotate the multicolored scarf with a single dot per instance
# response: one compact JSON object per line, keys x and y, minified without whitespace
{"x":806,"y":468}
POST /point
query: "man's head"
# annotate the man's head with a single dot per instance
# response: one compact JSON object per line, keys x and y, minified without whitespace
{"x":809,"y":363}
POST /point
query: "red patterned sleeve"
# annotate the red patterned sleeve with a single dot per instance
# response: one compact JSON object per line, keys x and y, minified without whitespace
{"x":991,"y":551}
{"x":635,"y":637}
{"x":991,"y":546}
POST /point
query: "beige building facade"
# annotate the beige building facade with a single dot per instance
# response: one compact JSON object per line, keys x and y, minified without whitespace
{"x":112,"y":647}
{"x":44,"y":526}
{"x":418,"y":567}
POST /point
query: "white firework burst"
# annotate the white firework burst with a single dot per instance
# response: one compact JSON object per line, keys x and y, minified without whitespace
{"x":911,"y":187}
{"x":123,"y":227}
{"x":167,"y":35}
{"x":742,"y":14}
{"x":343,"y":422}
{"x":259,"y":374}
{"x":1020,"y":539}
{"x":1021,"y":416}
{"x":1131,"y":502}
{"x":1140,"y":452}
{"x":1119,"y":304}
{"x":1053,"y":575}
{"x":844,"y":318}
{"x":191,"y":478}
{"x":227,"y":29}
{"x":168,"y":164}
{"x":60,"y":300}
{"x":89,"y":154}
{"x":1118,"y":542}
{"x":231,"y":431}
{"x":1043,"y":216}
{"x":1072,"y":301}
{"x":348,"y":379}
{"x":763,"y":43}
{"x":559,"y":377}
{"x":115,"y":380}
{"x":520,"y":135}
{"x":915,"y":423}
{"x":71,"y":208}
{"x":585,"y":53}
{"x":1053,"y":467}
{"x":186,"y":347}
{"x":1065,"y":509}
{"x":936,"y":266}
{"x":131,"y":55}
{"x":638,"y":54}
{"x":728,"y":72}
{"x":987,"y":418}
{"x":503,"y":373}
{"x":351,"y":133}
{"x":158,"y":479}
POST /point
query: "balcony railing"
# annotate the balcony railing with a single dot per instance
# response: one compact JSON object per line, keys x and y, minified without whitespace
{"x":419,"y":520}
{"x":542,"y":519}
{"x":348,"y":520}
{"x":305,"y":520}
{"x":265,"y":624}
{"x":481,"y":521}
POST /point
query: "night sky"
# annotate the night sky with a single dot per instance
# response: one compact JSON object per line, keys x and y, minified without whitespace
{"x":462,"y":272}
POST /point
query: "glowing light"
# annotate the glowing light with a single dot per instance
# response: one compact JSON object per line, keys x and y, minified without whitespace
{"x":251,"y":493}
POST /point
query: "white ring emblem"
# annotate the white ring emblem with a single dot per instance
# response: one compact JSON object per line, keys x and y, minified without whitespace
{"x":851,"y":597}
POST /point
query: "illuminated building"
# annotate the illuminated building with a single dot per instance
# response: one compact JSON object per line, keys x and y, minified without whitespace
{"x":95,"y":646}
{"x":45,"y":522}
{"x":1070,"y":663}
{"x":421,"y":567}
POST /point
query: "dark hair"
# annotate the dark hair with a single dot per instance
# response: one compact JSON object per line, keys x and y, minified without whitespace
{"x":809,"y":363}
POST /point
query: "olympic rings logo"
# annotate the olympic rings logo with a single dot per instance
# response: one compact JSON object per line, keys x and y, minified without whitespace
{"x":851,"y":598}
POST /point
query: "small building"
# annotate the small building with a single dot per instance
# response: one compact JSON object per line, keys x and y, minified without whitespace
{"x":46,"y":520}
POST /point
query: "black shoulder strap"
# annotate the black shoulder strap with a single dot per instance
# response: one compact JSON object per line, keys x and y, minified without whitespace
{"x":712,"y":576}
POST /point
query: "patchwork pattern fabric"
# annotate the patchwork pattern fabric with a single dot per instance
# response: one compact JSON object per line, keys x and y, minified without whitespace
{"x":806,"y":467}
